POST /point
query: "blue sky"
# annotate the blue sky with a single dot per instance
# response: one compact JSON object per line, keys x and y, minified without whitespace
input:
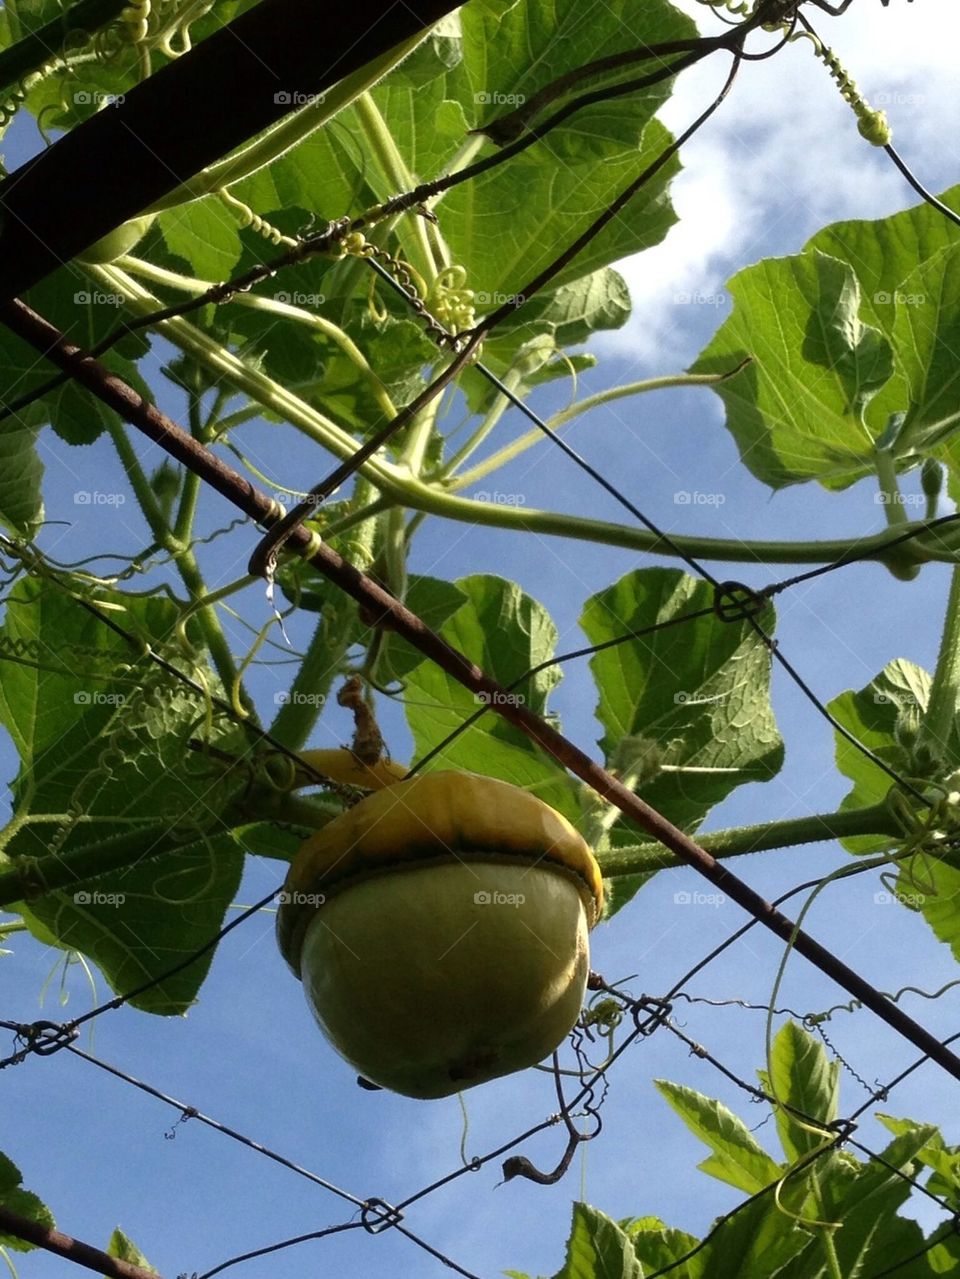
{"x":781,"y":160}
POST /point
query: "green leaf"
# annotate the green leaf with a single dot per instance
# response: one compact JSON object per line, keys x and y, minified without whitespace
{"x":21,"y":507}
{"x":658,"y":1246}
{"x":102,"y":735}
{"x":506,"y":633}
{"x":23,"y":1202}
{"x":698,"y":692}
{"x":123,"y":1247}
{"x":598,"y":1248}
{"x":508,"y":223}
{"x":930,"y":1149}
{"x":878,"y":715}
{"x":758,"y":1240}
{"x":85,"y":313}
{"x":206,"y":234}
{"x":803,"y":1079}
{"x":433,"y":600}
{"x":907,"y":266}
{"x":801,"y":408}
{"x":738,"y":1158}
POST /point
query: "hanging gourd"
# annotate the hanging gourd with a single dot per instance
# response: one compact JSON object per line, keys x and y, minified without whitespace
{"x":440,"y":929}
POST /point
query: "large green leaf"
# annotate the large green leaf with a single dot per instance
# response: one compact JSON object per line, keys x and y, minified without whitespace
{"x":883,"y":716}
{"x":598,"y":1248}
{"x":801,"y":408}
{"x":23,"y":1202}
{"x":506,"y":633}
{"x":693,"y":697}
{"x":738,"y":1158}
{"x":864,"y":323}
{"x":508,"y":224}
{"x":807,"y":1086}
{"x":908,"y":266}
{"x":102,"y":735}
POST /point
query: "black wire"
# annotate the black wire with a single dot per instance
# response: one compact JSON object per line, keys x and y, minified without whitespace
{"x":190,"y":1112}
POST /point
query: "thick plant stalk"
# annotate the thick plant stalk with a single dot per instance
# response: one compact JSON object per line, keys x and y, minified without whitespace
{"x":385,"y":610}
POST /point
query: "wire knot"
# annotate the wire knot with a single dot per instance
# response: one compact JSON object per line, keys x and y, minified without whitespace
{"x":47,"y":1037}
{"x":734,"y":602}
{"x":376,"y":1215}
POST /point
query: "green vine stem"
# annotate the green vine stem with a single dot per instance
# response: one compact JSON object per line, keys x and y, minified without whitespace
{"x":32,"y":877}
{"x":287,"y":311}
{"x":426,"y":258}
{"x":643,"y":859}
{"x":938,"y":726}
{"x":396,"y":482}
{"x":35,"y":49}
{"x":292,"y":130}
{"x":569,"y":414}
{"x":183,"y":557}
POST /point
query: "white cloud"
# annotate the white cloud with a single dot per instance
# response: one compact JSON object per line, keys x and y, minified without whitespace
{"x":782,"y":157}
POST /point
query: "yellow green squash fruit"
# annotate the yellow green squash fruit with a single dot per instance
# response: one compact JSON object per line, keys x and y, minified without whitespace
{"x":440,"y":930}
